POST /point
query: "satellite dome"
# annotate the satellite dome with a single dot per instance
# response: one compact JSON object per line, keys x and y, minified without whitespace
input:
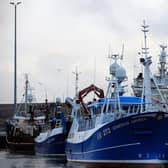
{"x":120,"y":74}
{"x":58,"y":100}
{"x":30,"y":97}
{"x":113,"y":68}
{"x":163,"y":53}
{"x":163,"y":56}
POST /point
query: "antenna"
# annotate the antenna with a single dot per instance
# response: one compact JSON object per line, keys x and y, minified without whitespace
{"x":145,"y":30}
{"x":76,"y":73}
{"x":26,"y":91}
{"x":45,"y":94}
{"x":109,"y":54}
{"x":94,"y":75}
{"x":122,"y":52}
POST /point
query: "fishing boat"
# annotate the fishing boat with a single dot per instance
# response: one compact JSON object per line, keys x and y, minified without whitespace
{"x":51,"y":140}
{"x":24,"y":126}
{"x":160,"y":78}
{"x":118,"y":129}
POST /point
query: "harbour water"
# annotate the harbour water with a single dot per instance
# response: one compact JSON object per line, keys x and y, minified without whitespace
{"x":13,"y":160}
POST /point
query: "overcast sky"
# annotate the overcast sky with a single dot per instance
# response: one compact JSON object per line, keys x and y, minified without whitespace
{"x":55,"y":36}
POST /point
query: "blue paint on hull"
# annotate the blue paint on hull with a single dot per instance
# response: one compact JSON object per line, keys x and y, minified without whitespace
{"x":137,"y":138}
{"x":52,"y":146}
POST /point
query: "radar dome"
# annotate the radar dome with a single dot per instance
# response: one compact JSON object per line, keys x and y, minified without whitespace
{"x":58,"y":100}
{"x":30,"y":97}
{"x":113,"y":68}
{"x":163,"y":56}
{"x":120,"y":74}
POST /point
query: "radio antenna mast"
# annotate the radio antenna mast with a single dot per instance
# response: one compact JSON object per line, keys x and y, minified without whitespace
{"x":76,"y":73}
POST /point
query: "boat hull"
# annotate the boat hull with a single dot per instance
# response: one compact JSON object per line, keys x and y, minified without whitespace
{"x":21,"y":144}
{"x":140,"y":138}
{"x":52,"y":146}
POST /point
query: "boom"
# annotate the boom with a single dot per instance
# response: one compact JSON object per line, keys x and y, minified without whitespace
{"x":99,"y":92}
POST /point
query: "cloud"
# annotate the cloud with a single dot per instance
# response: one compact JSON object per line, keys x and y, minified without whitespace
{"x":63,"y":34}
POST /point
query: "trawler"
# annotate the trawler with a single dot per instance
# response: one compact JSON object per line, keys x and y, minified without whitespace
{"x":51,"y":140}
{"x":24,"y":126}
{"x":160,"y":78}
{"x":117,"y":128}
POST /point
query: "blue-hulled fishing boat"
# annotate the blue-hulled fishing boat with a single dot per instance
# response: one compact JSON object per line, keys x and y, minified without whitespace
{"x":51,"y":140}
{"x":117,"y":128}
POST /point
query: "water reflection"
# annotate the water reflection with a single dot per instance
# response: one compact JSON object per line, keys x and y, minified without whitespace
{"x":13,"y":160}
{"x":118,"y":166}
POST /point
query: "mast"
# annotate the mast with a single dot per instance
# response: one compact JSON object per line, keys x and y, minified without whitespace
{"x":122,"y":54}
{"x":76,"y":73}
{"x":115,"y":81}
{"x":26,"y":92}
{"x":162,"y":61}
{"x":146,"y":61}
